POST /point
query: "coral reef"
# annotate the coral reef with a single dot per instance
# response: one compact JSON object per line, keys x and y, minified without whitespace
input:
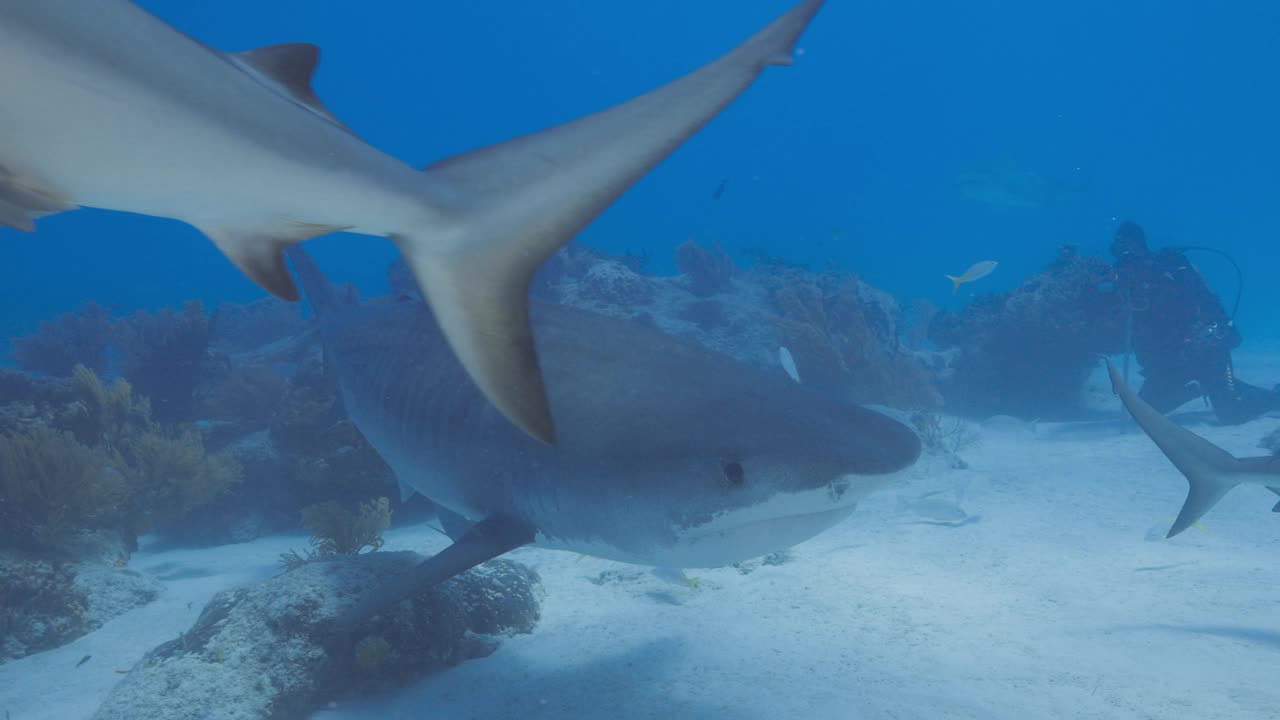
{"x":1027,"y":352}
{"x":70,"y":588}
{"x":40,"y":607}
{"x":171,"y":475}
{"x":51,"y":484}
{"x":70,"y":339}
{"x":163,"y":354}
{"x":335,"y":530}
{"x":267,"y":651}
{"x":707,"y":270}
{"x":96,"y":460}
{"x":843,"y":336}
{"x":238,"y":329}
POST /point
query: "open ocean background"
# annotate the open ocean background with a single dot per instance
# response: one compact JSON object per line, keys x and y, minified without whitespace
{"x":1163,"y":112}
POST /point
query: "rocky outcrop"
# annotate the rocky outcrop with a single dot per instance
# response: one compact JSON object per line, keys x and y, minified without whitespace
{"x":265,"y":651}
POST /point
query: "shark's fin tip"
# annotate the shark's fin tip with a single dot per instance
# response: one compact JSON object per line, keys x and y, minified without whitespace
{"x":481,"y":304}
{"x":290,"y":66}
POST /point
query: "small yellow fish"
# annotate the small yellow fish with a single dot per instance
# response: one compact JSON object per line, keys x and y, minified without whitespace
{"x":977,"y":271}
{"x":676,"y":576}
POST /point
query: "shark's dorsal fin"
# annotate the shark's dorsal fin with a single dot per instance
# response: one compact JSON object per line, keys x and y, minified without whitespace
{"x":290,"y":66}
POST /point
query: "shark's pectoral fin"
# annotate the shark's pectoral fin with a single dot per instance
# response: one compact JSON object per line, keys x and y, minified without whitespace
{"x":259,"y":252}
{"x":485,"y":541}
{"x":511,"y":205}
{"x":21,"y":204}
{"x":288,"y":69}
{"x":453,"y":524}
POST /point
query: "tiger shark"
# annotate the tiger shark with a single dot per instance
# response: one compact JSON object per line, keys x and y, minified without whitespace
{"x":669,"y":454}
{"x":106,"y":106}
{"x":1211,"y":471}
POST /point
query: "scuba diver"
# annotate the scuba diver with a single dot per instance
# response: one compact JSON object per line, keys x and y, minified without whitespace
{"x":1180,"y":332}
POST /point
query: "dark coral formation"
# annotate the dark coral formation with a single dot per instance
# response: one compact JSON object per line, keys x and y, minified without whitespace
{"x":163,"y":354}
{"x":1027,"y":352}
{"x":76,"y":338}
{"x":707,"y":270}
{"x":843,"y":335}
{"x":40,"y":606}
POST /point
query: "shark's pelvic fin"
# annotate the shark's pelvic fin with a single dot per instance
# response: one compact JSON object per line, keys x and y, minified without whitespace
{"x":485,"y":541}
{"x":259,"y":254}
{"x":21,"y":203}
{"x":1210,"y":470}
{"x":514,"y":203}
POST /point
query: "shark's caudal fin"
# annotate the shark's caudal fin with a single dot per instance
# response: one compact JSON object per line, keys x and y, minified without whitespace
{"x":1275,"y":490}
{"x":955,"y":283}
{"x":511,"y":205}
{"x":1210,"y":470}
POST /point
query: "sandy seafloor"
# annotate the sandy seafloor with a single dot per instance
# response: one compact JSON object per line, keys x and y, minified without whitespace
{"x":1052,"y":605}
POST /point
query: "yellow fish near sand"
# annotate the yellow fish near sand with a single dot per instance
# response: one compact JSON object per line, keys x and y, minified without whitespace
{"x":977,"y":271}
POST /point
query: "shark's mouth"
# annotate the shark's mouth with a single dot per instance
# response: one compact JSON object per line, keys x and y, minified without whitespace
{"x":724,"y":543}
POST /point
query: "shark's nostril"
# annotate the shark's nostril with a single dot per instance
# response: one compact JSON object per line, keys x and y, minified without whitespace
{"x":839,"y":488}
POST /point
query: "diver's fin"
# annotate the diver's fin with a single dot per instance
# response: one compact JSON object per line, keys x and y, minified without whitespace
{"x":505,"y":208}
{"x":491,"y":537}
{"x":1210,"y":470}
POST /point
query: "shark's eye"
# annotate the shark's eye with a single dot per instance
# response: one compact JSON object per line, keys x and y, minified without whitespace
{"x":735,"y":474}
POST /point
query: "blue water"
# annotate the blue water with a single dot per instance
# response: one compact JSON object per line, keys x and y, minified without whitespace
{"x":1163,"y":111}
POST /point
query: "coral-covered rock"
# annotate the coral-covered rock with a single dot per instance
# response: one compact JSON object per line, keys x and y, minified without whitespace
{"x":40,"y":606}
{"x":707,"y":270}
{"x":266,"y":651}
{"x":1027,"y":352}
{"x":69,"y":589}
{"x":843,"y":335}
{"x":611,"y":283}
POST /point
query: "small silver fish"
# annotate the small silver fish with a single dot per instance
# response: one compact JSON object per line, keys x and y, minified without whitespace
{"x":976,"y":271}
{"x":929,"y":505}
{"x":788,"y":363}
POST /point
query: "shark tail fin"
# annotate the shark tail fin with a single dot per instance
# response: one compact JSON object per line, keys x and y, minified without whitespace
{"x":1275,"y":490}
{"x":1210,"y":470}
{"x":506,"y":208}
{"x":955,"y":283}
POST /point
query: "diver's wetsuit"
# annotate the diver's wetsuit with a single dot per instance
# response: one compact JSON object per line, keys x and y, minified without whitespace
{"x":1183,"y":338}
